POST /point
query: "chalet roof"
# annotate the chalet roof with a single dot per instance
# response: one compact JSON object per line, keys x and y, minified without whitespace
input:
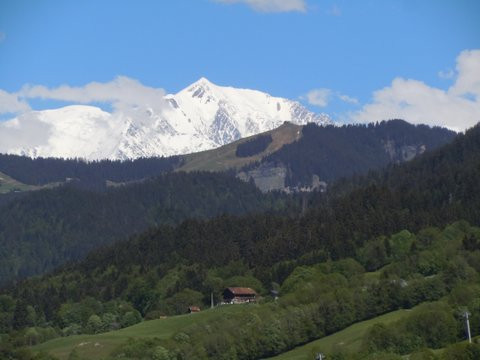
{"x":242,"y":291}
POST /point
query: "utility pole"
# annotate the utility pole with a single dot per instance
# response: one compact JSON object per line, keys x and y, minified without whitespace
{"x":466,"y":314}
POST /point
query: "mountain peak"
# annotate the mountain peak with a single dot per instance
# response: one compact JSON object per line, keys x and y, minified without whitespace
{"x":203,"y":81}
{"x":200,"y":117}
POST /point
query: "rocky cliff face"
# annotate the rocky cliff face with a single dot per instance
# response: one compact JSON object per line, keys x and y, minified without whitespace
{"x":399,"y":153}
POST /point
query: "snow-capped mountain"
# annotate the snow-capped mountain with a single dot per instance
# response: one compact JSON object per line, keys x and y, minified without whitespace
{"x":200,"y":117}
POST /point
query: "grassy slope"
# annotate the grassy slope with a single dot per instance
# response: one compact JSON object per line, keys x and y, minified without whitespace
{"x":348,"y":340}
{"x":100,"y":345}
{"x":224,"y":158}
{"x":8,"y":184}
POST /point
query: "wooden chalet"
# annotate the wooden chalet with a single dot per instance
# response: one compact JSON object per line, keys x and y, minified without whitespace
{"x":239,"y":295}
{"x":193,"y":309}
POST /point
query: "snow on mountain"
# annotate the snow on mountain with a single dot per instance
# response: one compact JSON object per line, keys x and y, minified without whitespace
{"x":200,"y":117}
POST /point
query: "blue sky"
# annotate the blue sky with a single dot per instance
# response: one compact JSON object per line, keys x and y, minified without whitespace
{"x":334,"y":56}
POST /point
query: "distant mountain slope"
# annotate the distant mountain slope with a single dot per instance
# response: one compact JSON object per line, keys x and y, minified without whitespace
{"x":296,"y":156}
{"x":225,"y":157}
{"x":34,"y":173}
{"x":200,"y":117}
{"x":47,"y":228}
{"x":325,"y":154}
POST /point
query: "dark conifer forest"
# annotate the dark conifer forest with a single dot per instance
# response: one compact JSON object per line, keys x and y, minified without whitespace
{"x":50,"y":227}
{"x":254,"y":146}
{"x":332,"y":152}
{"x":93,"y":174}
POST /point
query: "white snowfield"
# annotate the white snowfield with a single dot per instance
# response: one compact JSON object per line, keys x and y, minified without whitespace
{"x":200,"y":117}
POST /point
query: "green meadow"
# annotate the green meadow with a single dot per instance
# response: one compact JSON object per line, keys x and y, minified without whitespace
{"x":99,"y":346}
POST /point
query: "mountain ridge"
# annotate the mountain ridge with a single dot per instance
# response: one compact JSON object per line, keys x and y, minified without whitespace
{"x":296,"y":157}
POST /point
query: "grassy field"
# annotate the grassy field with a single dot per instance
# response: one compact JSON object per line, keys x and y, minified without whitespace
{"x":348,"y":340}
{"x":101,"y":345}
{"x":8,"y":184}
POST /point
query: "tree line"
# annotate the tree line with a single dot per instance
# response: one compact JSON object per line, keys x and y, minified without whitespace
{"x":91,"y":174}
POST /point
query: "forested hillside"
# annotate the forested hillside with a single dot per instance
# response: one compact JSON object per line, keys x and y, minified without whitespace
{"x":171,"y":267}
{"x":42,"y":230}
{"x":93,"y":174}
{"x":332,"y":152}
{"x":50,"y":227}
{"x":254,"y":146}
{"x":446,"y":178}
{"x":400,"y":198}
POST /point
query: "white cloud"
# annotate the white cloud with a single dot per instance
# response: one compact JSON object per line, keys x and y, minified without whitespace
{"x":23,"y":132}
{"x":457,"y":108}
{"x":122,"y":93}
{"x":447,"y":74}
{"x":10,"y":103}
{"x":347,"y":99}
{"x":335,"y":11}
{"x":128,"y":98}
{"x":271,"y":5}
{"x":468,"y":80}
{"x":319,"y":97}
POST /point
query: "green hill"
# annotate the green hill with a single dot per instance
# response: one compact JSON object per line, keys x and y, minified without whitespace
{"x":100,"y":346}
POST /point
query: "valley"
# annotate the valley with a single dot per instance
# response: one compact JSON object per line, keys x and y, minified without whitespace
{"x":383,"y":255}
{"x":166,"y":191}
